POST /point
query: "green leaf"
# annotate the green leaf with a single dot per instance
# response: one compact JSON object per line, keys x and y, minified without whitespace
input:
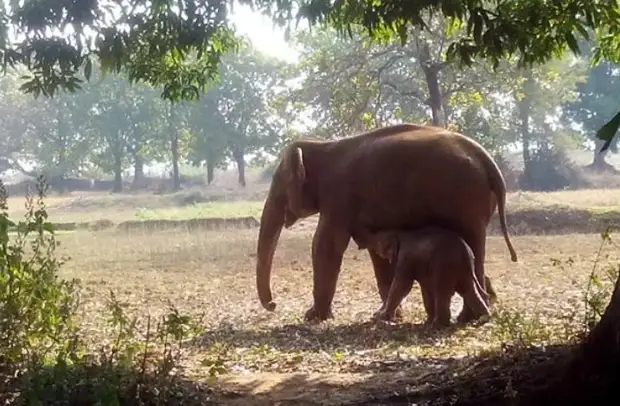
{"x":49,"y":227}
{"x":608,"y":131}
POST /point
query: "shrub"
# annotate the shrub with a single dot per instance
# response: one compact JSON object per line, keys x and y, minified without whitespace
{"x":43,"y":358}
{"x":549,"y":169}
{"x":36,"y":308}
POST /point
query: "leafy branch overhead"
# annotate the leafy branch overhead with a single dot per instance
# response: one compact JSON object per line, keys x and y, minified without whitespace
{"x":178,"y":45}
{"x":534,"y":31}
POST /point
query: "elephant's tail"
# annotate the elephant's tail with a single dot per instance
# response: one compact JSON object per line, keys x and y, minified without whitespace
{"x":499,"y":186}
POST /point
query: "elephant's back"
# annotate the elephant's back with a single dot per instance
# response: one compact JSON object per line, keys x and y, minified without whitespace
{"x":414,"y":177}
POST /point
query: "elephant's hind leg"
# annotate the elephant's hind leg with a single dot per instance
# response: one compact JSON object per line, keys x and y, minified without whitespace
{"x":477,"y":244}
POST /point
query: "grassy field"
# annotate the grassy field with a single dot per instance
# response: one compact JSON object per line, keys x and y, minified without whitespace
{"x":191,"y":204}
{"x":276,"y":356}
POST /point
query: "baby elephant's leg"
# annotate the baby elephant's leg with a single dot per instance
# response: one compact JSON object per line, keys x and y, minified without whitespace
{"x":489,"y":288}
{"x":428,"y":298}
{"x":472,"y":298}
{"x":401,"y":286}
{"x":443,"y":290}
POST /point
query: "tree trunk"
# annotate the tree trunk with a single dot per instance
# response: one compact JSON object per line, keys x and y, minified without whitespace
{"x":525,"y":106}
{"x":176,"y":176}
{"x":60,"y":172}
{"x":210,"y":171}
{"x":174,"y":146}
{"x":431,"y":73}
{"x":240,"y":161}
{"x":138,"y":172}
{"x":598,"y":160}
{"x":118,"y":172}
{"x":593,"y":374}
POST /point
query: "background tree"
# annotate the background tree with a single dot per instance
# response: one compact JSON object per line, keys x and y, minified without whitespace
{"x":594,"y":105}
{"x":238,"y":112}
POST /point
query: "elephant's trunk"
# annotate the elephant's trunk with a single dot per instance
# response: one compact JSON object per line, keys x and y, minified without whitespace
{"x":271,"y":223}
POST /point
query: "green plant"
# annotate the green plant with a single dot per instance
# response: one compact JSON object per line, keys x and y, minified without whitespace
{"x":599,"y":289}
{"x":43,"y":358}
{"x":37,"y":309}
{"x":513,"y":326}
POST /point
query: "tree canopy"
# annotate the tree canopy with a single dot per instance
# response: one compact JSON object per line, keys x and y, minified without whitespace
{"x":178,"y":45}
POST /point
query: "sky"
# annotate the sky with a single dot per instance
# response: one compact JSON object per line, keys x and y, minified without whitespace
{"x":261,"y":31}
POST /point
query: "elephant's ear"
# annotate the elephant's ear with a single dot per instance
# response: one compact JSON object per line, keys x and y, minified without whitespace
{"x":296,"y":165}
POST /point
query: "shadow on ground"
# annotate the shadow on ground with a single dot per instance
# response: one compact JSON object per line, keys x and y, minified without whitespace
{"x":96,"y":384}
{"x":358,"y":336}
{"x":504,"y":378}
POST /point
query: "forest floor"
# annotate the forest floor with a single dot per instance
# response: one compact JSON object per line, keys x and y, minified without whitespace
{"x":276,"y":358}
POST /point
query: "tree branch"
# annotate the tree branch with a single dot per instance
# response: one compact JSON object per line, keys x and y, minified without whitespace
{"x":413,"y":93}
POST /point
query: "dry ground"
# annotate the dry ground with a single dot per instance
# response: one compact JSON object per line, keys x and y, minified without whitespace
{"x":278,"y":358}
{"x":213,"y":272}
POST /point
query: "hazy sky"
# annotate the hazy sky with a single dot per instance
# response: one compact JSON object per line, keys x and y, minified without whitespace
{"x":264,"y":35}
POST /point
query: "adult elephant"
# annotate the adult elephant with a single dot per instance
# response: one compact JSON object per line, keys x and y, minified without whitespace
{"x":401,"y":176}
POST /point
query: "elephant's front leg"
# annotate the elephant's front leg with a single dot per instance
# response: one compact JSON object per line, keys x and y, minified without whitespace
{"x":384,"y":274}
{"x":328,"y":246}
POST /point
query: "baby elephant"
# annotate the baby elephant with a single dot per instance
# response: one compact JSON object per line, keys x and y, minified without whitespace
{"x":440,"y":260}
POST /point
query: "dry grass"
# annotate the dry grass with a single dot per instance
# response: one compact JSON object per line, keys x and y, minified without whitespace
{"x":213,"y":272}
{"x":230,"y":202}
{"x":276,"y":354}
{"x":590,"y":199}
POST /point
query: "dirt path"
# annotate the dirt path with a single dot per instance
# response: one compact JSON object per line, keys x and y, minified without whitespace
{"x":312,"y":388}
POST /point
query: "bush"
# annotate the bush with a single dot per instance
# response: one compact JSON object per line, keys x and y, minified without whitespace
{"x":43,"y":358}
{"x":549,"y":169}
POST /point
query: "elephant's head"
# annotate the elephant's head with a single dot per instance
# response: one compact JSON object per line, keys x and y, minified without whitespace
{"x":386,"y":245}
{"x":291,"y":197}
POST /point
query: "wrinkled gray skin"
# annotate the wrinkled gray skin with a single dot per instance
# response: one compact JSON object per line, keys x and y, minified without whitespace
{"x":440,"y":260}
{"x":402,"y":176}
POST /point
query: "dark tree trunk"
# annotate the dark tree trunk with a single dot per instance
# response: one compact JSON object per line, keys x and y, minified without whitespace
{"x":593,"y":374}
{"x":138,"y":172}
{"x":174,"y":147}
{"x":431,"y":73}
{"x":598,"y":159}
{"x":525,"y":106}
{"x":240,"y":161}
{"x":176,"y":176}
{"x":61,"y":143}
{"x":118,"y":172}
{"x":210,"y":171}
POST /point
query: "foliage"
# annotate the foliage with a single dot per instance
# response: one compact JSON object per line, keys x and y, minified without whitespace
{"x":595,"y":102}
{"x":528,"y":29}
{"x":37,"y":309}
{"x":549,"y":169}
{"x":600,"y":287}
{"x":237,"y":117}
{"x":349,"y":85}
{"x":43,"y":357}
{"x":176,"y":45}
{"x":179,"y":45}
{"x":353,"y":84}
